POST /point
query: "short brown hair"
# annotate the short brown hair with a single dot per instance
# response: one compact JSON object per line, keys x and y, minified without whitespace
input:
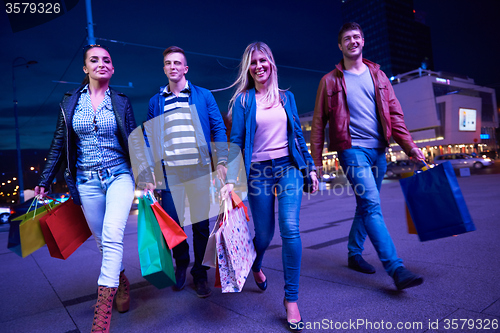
{"x":348,"y":27}
{"x":174,"y":49}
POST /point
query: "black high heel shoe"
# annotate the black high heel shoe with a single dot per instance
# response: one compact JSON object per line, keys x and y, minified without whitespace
{"x":295,"y":326}
{"x":262,"y":285}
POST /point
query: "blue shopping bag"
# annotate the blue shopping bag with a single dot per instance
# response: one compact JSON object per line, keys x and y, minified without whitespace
{"x":154,"y":256}
{"x":436,"y":203}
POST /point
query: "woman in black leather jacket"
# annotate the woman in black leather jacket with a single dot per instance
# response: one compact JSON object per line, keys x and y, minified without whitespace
{"x":91,"y":142}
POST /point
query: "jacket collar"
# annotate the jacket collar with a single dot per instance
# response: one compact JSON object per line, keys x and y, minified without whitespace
{"x":164,"y":90}
{"x":371,"y":65}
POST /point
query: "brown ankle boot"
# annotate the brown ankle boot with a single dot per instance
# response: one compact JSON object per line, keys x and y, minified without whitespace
{"x":103,"y":308}
{"x":122,"y":299}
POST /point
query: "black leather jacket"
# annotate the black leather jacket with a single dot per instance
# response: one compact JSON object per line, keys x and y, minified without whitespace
{"x":63,"y":149}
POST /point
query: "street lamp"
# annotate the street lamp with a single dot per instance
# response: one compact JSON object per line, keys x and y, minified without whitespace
{"x":18,"y":141}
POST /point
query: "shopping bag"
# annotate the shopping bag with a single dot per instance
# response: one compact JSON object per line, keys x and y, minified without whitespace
{"x":217,"y":275}
{"x":238,"y":203}
{"x":154,"y":256}
{"x":409,"y":221}
{"x":25,"y":233}
{"x":436,"y":203}
{"x":235,"y":249}
{"x":65,"y":229}
{"x":173,"y":233}
{"x":210,"y":257}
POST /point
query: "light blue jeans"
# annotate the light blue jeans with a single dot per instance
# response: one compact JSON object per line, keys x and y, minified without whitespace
{"x":365,"y":169}
{"x":265,"y":178}
{"x":106,"y":197}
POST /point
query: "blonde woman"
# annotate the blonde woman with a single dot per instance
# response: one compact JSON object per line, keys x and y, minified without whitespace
{"x":265,"y":124}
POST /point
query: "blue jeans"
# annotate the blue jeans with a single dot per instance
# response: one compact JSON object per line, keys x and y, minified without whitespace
{"x":365,"y":169}
{"x":191,"y":181}
{"x":265,"y":178}
{"x":106,"y":197}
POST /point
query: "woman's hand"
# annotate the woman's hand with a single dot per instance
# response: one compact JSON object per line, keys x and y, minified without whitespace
{"x":225,"y":191}
{"x":40,"y":191}
{"x":315,"y":181}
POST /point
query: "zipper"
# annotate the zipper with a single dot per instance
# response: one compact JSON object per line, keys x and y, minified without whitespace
{"x":67,"y":140}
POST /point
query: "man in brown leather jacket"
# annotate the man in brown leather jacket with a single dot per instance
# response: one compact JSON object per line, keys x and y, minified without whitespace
{"x":358,"y":102}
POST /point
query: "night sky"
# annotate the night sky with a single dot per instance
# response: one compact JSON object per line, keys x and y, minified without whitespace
{"x":302,"y":36}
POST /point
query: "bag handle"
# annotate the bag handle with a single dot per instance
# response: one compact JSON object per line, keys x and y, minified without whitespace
{"x":149,"y":194}
{"x":227,"y":203}
{"x":31,"y":205}
{"x":238,"y":203}
{"x":424,"y":168}
{"x":427,"y":165}
{"x":48,"y":206}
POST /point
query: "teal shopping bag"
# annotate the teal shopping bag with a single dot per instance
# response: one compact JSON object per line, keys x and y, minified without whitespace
{"x":154,"y":256}
{"x":436,"y":203}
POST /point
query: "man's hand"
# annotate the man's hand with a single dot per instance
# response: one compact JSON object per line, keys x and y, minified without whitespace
{"x":221,"y":173}
{"x":149,"y":187}
{"x":416,"y":154}
{"x":40,"y":191}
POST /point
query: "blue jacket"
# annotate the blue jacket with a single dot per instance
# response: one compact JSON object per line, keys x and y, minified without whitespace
{"x":243,"y":133}
{"x":207,"y":121}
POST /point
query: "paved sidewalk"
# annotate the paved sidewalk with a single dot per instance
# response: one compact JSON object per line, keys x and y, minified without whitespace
{"x":43,"y":294}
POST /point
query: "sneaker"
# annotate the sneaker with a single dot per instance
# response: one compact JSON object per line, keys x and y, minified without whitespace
{"x":359,"y":264}
{"x":202,"y":289}
{"x":403,"y":278}
{"x":180,"y":278}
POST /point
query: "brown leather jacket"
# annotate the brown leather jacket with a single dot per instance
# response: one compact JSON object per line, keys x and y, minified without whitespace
{"x":331,"y":106}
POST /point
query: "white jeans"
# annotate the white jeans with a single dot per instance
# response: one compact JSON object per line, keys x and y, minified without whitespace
{"x":106,"y":197}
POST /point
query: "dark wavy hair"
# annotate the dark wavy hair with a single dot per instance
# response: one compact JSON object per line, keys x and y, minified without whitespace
{"x":348,"y":27}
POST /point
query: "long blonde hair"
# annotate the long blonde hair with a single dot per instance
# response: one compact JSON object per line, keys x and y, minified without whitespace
{"x":245,"y":82}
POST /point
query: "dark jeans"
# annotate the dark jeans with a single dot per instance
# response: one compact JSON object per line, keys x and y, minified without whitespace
{"x":193,"y":182}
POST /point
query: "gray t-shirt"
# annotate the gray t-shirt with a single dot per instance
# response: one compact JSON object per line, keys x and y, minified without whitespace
{"x":366,"y":130}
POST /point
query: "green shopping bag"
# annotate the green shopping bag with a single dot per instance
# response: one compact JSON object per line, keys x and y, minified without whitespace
{"x":155,"y":257}
{"x":25,"y":234}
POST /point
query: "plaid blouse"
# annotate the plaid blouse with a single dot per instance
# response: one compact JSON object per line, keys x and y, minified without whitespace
{"x":97,"y":144}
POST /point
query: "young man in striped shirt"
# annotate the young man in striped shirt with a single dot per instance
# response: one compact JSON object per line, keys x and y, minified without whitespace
{"x":187,"y":119}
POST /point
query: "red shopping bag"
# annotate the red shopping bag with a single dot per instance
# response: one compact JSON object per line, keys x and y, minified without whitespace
{"x":217,"y":275}
{"x":65,"y":229}
{"x":238,"y":203}
{"x":173,"y":233}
